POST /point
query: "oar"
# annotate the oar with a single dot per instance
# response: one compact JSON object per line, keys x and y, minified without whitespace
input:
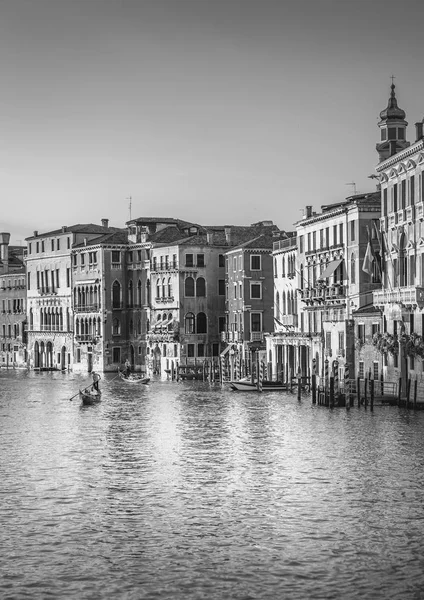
{"x":75,"y":395}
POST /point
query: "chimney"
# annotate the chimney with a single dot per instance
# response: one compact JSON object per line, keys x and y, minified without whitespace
{"x":419,"y":130}
{"x":105,"y":222}
{"x":308,"y":212}
{"x":63,"y":228}
{"x":227,"y":231}
{"x":35,"y":233}
{"x":4,"y":249}
{"x":209,"y":237}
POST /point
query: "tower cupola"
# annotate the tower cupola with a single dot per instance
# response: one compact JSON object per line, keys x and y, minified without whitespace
{"x":392,"y":128}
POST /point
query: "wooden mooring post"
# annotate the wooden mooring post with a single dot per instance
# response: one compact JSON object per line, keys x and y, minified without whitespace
{"x":371,"y":394}
{"x":331,"y":390}
{"x":365,"y":392}
{"x":299,"y":384}
{"x":408,"y":391}
{"x":314,"y":381}
{"x":415,"y":392}
{"x":358,"y":391}
{"x":399,"y":391}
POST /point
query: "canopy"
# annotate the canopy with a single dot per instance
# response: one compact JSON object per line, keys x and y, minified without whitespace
{"x":330,"y":268}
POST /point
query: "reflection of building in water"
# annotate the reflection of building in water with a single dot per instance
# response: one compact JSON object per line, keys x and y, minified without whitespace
{"x":12,"y":304}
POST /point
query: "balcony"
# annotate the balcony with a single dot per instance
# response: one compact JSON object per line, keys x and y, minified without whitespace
{"x":392,"y":220}
{"x":164,"y":300}
{"x":419,"y":210}
{"x":87,"y":308}
{"x":406,"y":296}
{"x":401,"y":216}
{"x":256,"y":336}
{"x":333,"y":315}
{"x":231,"y":337}
{"x":283,"y":244}
{"x":86,"y":338}
{"x":135,"y":266}
{"x":46,"y":290}
{"x":164,"y":266}
{"x":410,"y":214}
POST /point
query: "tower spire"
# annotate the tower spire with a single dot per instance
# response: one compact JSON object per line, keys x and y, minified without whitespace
{"x":392,"y":127}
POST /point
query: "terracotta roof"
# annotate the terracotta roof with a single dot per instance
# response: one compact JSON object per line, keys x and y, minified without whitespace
{"x":80,"y":228}
{"x":118,"y":237}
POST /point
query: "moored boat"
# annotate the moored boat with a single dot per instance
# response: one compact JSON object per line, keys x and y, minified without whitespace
{"x":133,"y":378}
{"x":248,"y":386}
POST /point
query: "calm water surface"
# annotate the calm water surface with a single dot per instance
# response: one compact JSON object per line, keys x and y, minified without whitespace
{"x":189,"y":491}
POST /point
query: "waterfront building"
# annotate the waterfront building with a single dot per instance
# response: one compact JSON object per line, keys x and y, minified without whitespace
{"x":49,"y":293}
{"x":331,"y":281}
{"x":401,"y":299}
{"x":12,"y":304}
{"x":101,"y":302}
{"x":249,"y":296}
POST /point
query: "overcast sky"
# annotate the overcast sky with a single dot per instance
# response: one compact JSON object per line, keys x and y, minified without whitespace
{"x":216,"y":111}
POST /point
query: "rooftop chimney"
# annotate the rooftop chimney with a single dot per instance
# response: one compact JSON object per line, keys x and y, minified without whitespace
{"x":35,"y":233}
{"x":4,"y":248}
{"x":419,"y":130}
{"x":227,"y":231}
{"x":63,"y":228}
{"x":308,"y":212}
{"x":105,"y":222}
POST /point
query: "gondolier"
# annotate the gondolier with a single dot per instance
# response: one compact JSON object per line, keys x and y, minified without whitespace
{"x":96,"y":379}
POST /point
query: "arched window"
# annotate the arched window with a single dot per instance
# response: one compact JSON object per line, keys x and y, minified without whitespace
{"x":201,"y":323}
{"x":139,"y":293}
{"x":403,"y":260}
{"x":130,"y":294}
{"x":131,"y":327}
{"x":284,"y":304}
{"x":116,"y":295}
{"x":169,"y":288}
{"x":352,"y":269}
{"x":116,"y":327}
{"x":301,"y":278}
{"x":275,"y":268}
{"x":277,"y":305}
{"x":189,"y":323}
{"x":164,"y":294}
{"x":189,"y":287}
{"x":139,"y":326}
{"x":148,"y":291}
{"x":200,"y":287}
{"x":158,"y":288}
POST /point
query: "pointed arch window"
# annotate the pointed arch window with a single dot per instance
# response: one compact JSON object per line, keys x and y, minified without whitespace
{"x":116,"y":295}
{"x":352,"y":269}
{"x":169,"y":288}
{"x":116,"y":327}
{"x":130,"y":294}
{"x":139,"y":293}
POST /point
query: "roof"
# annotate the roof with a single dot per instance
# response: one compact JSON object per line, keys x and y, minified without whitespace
{"x":118,"y":237}
{"x":79,"y":228}
{"x":367,"y":309}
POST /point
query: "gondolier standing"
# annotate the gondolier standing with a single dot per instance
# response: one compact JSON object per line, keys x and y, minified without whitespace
{"x":127,"y":367}
{"x":96,"y":379}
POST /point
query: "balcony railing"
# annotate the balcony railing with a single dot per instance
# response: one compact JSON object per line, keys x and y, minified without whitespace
{"x":283,"y":244}
{"x":408,"y":296}
{"x":86,"y":337}
{"x":410,"y":214}
{"x":80,"y":308}
{"x":419,"y":210}
{"x":322,"y":294}
{"x":164,"y":266}
{"x":47,"y":289}
{"x":231,"y":336}
{"x":256,"y":336}
{"x":164,"y":299}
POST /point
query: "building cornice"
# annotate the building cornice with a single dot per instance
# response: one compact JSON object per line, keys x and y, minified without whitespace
{"x":399,"y":156}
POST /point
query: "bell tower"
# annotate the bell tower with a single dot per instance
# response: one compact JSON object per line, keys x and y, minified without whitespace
{"x":392,"y":128}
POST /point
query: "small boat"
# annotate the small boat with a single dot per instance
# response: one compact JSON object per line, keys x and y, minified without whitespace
{"x":248,"y":386}
{"x":90,"y":396}
{"x":133,"y":378}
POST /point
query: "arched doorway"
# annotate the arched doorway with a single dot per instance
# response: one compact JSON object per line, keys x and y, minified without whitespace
{"x":49,"y":355}
{"x":42,"y":359}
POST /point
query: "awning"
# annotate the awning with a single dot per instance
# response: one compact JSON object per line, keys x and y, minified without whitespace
{"x":330,"y":268}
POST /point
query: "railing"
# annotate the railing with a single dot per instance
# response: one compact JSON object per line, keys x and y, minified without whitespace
{"x":47,"y":328}
{"x":419,"y":210}
{"x":116,"y":265}
{"x":401,"y":216}
{"x":333,"y":315}
{"x":86,"y":337}
{"x":164,"y":266}
{"x":283,"y":244}
{"x":256,"y":336}
{"x":403,"y":295}
{"x":79,"y":308}
{"x":410,"y":214}
{"x":164,"y":299}
{"x":231,"y":336}
{"x":46,"y":290}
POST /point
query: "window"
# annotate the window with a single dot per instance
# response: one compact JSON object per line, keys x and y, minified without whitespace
{"x":256,"y":290}
{"x":201,"y":323}
{"x":221,"y":287}
{"x":68,"y":277}
{"x":361,"y":370}
{"x":116,"y":355}
{"x":116,"y":327}
{"x":116,"y":256}
{"x":352,"y":269}
{"x":29,"y":281}
{"x":301,"y":243}
{"x":255,"y":262}
{"x":37,"y":247}
{"x":384,"y":202}
{"x":352,"y":231}
{"x":189,"y":287}
{"x":221,"y":260}
{"x":116,"y":295}
{"x":200,"y":287}
{"x":52,"y":242}
{"x":412,"y":191}
{"x":189,"y":323}
{"x":361,"y":332}
{"x":58,"y":244}
{"x":341,"y":234}
{"x":328,"y":340}
{"x":200,"y":260}
{"x":68,"y":242}
{"x":42,"y":246}
{"x":255,"y":322}
{"x":375,"y":328}
{"x":395,"y":197}
{"x":190,"y":350}
{"x":201,"y":350}
{"x":29,"y":248}
{"x":189,"y":260}
{"x":221,"y":324}
{"x":392,"y":133}
{"x":341,"y":342}
{"x":130,"y":256}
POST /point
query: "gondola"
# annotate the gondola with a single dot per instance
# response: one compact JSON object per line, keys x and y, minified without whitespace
{"x":248,"y":386}
{"x":133,"y":378}
{"x":90,"y":396}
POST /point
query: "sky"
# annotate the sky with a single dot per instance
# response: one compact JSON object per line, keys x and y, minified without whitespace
{"x":217,"y":112}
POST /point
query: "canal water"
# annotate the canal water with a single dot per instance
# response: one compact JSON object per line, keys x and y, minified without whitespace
{"x":190,"y":491}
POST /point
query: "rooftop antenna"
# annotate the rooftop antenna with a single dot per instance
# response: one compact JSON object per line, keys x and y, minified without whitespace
{"x":353,"y":184}
{"x":129,"y":205}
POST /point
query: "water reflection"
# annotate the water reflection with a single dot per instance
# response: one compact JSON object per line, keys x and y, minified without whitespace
{"x":190,"y":491}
